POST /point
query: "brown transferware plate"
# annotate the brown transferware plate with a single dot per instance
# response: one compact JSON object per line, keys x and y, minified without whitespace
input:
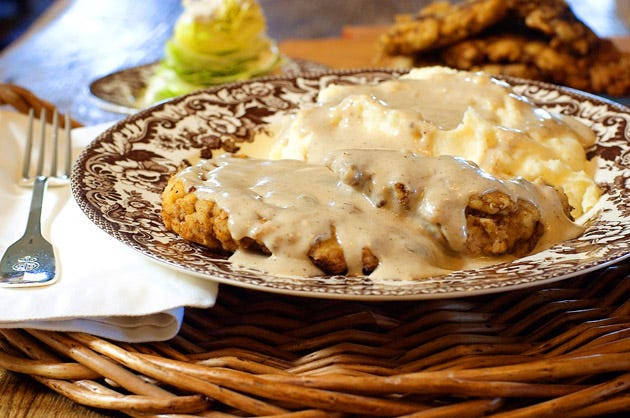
{"x":118,"y":179}
{"x":121,"y":91}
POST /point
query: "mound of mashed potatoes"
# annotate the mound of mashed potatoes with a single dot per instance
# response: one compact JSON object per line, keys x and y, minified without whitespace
{"x":440,"y":111}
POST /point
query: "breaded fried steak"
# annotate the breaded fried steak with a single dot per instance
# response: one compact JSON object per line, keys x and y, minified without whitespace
{"x":441,"y":24}
{"x":388,"y":214}
{"x":555,"y":19}
{"x":536,"y":39}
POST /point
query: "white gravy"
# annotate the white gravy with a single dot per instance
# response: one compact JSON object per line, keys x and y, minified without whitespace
{"x":440,"y":112}
{"x":289,"y":204}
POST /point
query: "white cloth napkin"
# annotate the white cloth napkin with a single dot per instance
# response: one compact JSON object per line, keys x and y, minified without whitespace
{"x":104,"y":288}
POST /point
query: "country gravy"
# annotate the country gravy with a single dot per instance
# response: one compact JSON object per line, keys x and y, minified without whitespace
{"x":446,"y":135}
{"x":439,"y":111}
{"x":289,"y":204}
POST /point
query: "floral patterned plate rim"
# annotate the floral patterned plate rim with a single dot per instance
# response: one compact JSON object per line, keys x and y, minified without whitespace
{"x":121,"y":90}
{"x":118,"y":179}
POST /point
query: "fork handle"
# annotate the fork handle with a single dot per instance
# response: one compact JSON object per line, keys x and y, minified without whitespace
{"x":33,"y":225}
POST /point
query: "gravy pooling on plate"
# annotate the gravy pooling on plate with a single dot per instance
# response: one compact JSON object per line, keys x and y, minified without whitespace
{"x":379,"y":180}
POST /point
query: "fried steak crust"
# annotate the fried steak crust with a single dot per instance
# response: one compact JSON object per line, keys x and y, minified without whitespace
{"x":535,"y":39}
{"x":440,"y":24}
{"x":496,"y":225}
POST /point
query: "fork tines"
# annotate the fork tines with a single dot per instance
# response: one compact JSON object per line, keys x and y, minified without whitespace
{"x":47,"y":150}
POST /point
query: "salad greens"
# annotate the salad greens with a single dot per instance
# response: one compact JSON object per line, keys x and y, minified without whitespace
{"x":214,"y":42}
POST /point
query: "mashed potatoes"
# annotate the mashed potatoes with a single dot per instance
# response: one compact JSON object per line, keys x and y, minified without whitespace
{"x":439,"y":111}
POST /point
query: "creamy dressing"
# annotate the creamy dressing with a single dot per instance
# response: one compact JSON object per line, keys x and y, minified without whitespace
{"x":289,"y":205}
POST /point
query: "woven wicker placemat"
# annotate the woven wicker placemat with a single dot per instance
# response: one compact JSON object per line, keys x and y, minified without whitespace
{"x":557,"y":350}
{"x":22,"y":100}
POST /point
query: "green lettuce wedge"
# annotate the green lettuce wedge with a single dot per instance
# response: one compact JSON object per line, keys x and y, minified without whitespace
{"x":214,"y":42}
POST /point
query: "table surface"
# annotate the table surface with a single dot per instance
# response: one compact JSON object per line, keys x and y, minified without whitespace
{"x":78,"y":41}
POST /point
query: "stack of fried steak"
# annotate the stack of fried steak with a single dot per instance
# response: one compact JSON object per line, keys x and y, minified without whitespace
{"x":533,"y":39}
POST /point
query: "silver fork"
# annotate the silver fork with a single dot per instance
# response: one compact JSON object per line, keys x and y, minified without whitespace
{"x":30,"y":261}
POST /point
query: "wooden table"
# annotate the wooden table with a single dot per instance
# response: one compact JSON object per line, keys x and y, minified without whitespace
{"x":78,"y":41}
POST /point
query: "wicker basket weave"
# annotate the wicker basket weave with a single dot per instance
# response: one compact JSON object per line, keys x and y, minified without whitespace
{"x":556,"y":350}
{"x":22,"y":100}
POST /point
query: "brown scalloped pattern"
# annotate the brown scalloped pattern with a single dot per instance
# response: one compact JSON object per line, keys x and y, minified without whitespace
{"x":118,"y":179}
{"x":122,"y":89}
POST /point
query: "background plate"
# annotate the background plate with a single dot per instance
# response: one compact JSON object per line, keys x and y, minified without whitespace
{"x":118,"y":179}
{"x":121,"y":90}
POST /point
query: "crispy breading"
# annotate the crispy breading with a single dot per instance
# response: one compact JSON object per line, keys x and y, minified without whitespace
{"x":200,"y":221}
{"x":328,"y":255}
{"x":609,"y":71}
{"x":536,"y":59}
{"x":441,"y":24}
{"x":605,"y":71}
{"x":555,"y":19}
{"x":495,"y":224}
{"x":203,"y":222}
{"x":534,"y":39}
